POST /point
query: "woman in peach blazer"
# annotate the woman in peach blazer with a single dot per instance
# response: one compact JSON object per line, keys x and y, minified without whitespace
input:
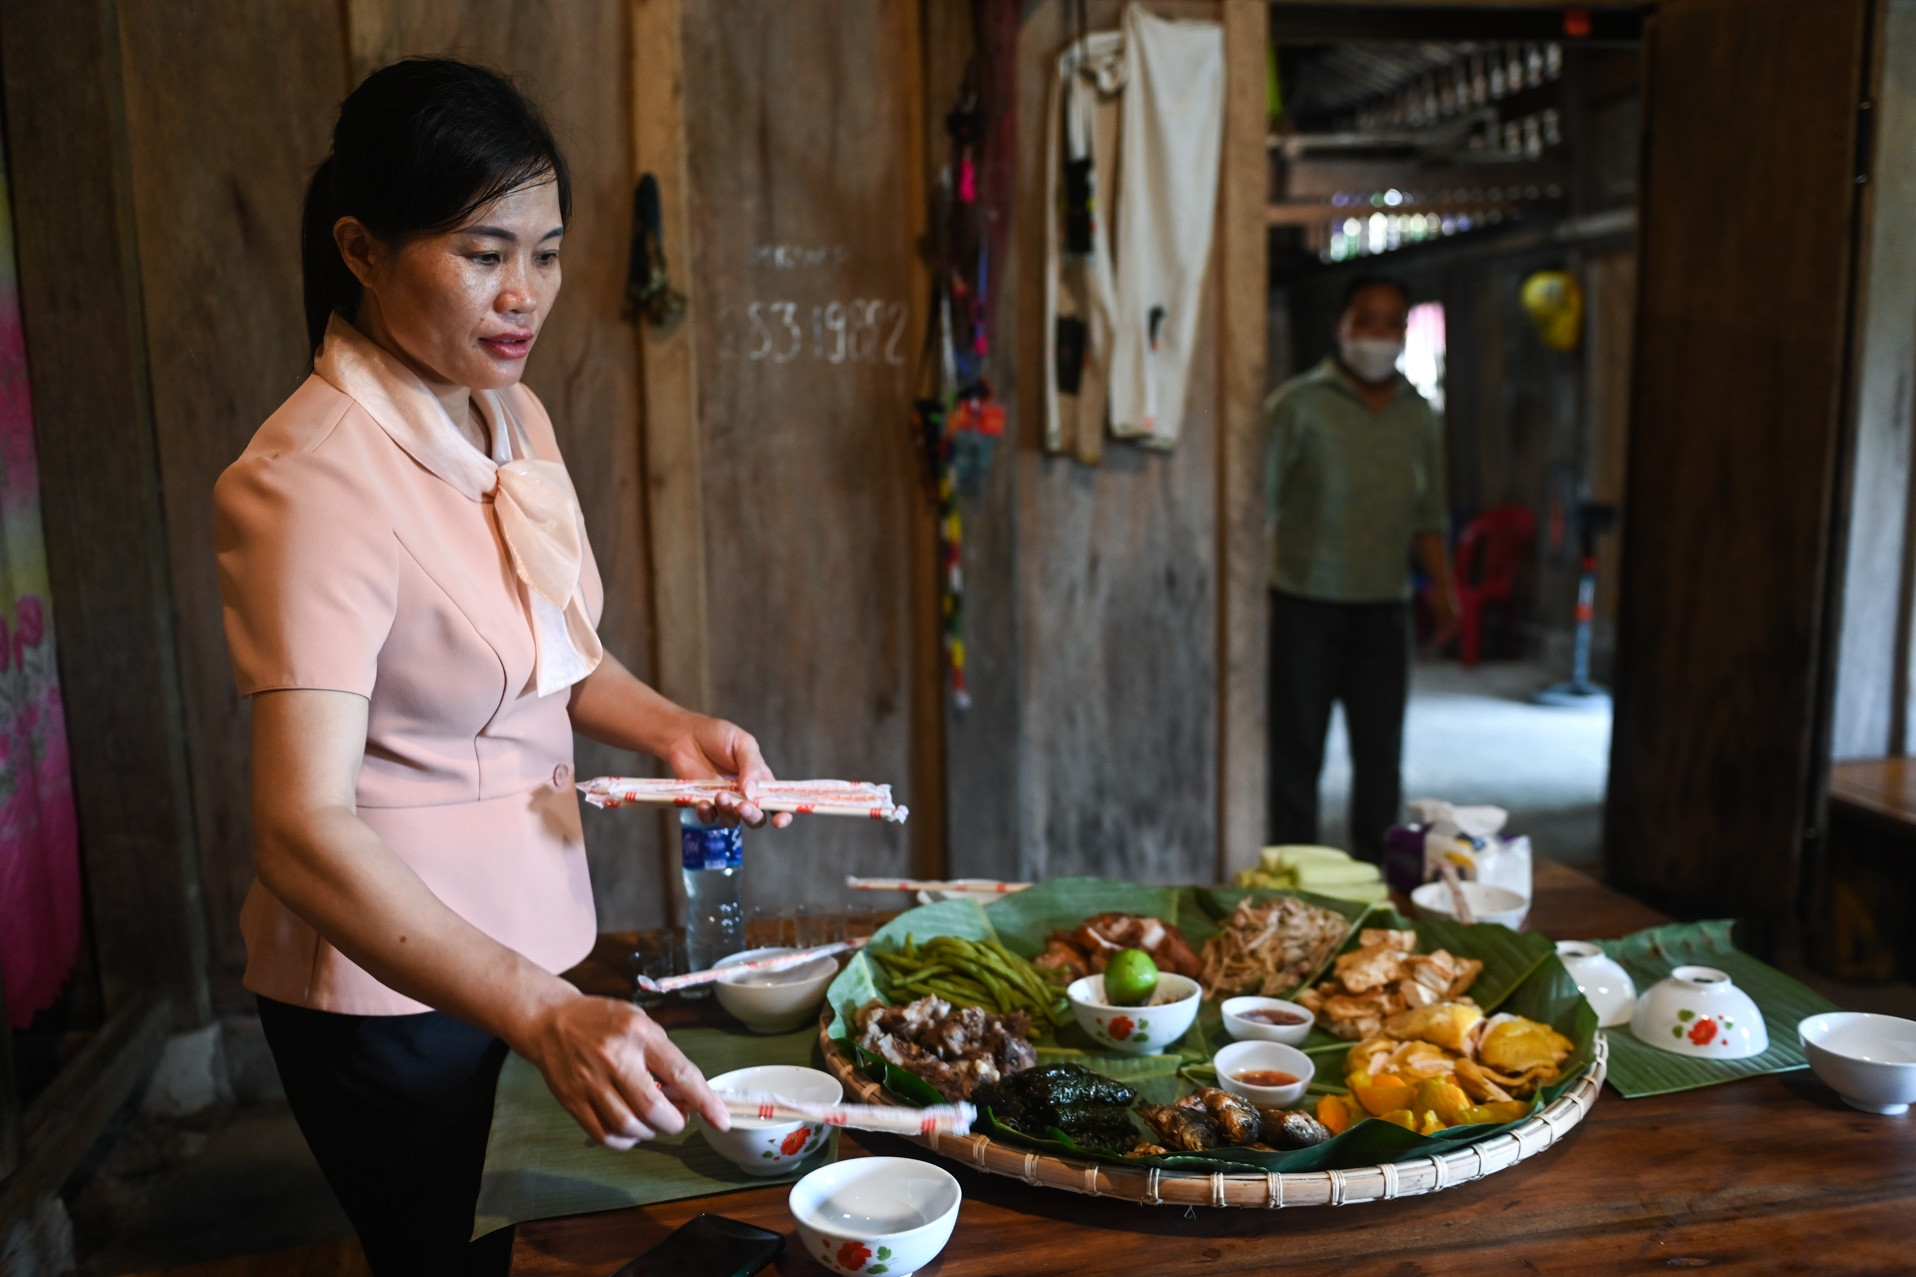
{"x":410,"y":603}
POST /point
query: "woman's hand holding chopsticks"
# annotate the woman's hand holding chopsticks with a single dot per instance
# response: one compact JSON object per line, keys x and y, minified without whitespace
{"x":613,"y":706}
{"x":611,"y":1066}
{"x":713,"y":749}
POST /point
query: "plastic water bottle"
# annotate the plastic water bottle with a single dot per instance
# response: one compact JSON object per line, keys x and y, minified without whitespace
{"x":712,"y":856}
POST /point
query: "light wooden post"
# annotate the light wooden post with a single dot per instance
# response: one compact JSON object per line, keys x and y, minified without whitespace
{"x":1244,"y":190}
{"x":675,"y":511}
{"x":668,"y":359}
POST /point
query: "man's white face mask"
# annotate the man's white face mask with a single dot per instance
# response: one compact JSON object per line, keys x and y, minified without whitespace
{"x":1372,"y":358}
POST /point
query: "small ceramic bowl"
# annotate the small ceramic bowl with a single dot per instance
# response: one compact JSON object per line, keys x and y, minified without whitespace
{"x":1235,"y":1009}
{"x":876,"y":1216}
{"x":774,"y":1001}
{"x":1869,"y":1060}
{"x":1697,"y":1011}
{"x":772,"y":1148}
{"x":1604,"y":985}
{"x":1141,"y":1030}
{"x":1487,"y":903}
{"x":1256,"y":1057}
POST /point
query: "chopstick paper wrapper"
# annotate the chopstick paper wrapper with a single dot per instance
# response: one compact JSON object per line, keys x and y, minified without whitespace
{"x":932,"y":884}
{"x":802,"y":797}
{"x":941,"y":1119}
{"x":780,"y":963}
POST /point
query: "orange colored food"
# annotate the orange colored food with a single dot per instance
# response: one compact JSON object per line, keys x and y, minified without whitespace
{"x":1334,"y":1111}
{"x":1380,"y":1095}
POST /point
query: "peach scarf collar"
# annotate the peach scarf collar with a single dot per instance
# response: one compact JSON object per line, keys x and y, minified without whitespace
{"x":538,"y":511}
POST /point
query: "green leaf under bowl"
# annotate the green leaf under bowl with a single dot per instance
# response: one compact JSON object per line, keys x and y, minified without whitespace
{"x":1637,"y":1069}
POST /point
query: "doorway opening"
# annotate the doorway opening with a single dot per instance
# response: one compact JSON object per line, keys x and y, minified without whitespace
{"x":1488,"y":159}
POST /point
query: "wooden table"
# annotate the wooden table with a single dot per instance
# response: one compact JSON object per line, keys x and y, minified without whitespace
{"x":1767,"y":1175}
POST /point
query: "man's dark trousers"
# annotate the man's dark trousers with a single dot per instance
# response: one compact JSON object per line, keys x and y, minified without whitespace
{"x":1357,"y":653}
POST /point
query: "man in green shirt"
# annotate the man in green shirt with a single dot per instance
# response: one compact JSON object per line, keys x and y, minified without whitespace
{"x":1355,"y":482}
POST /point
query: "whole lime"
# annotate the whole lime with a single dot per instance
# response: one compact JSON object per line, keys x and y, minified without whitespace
{"x":1131,"y":978}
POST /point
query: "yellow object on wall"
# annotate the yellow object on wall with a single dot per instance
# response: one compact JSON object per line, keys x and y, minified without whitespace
{"x":1554,"y":301}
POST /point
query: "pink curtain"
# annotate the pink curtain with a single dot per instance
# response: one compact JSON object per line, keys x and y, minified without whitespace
{"x":39,"y":840}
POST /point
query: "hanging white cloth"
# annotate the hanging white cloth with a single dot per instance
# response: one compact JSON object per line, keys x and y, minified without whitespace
{"x":1173,"y":139}
{"x":1146,"y":105}
{"x":533,"y":500}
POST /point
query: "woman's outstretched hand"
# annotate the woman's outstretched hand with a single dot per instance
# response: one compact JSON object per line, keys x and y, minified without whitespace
{"x":612,"y":1067}
{"x":710,"y":749}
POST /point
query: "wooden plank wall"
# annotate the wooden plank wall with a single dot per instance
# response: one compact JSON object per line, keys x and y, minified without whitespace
{"x":1734,"y":443}
{"x":805,"y":181}
{"x":106,"y":547}
{"x":219,"y":275}
{"x":1117,"y":585}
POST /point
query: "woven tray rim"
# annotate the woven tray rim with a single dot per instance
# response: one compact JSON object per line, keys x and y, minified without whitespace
{"x":1270,"y":1190}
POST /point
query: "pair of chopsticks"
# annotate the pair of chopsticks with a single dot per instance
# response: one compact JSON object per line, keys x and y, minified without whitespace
{"x":782,"y":962}
{"x":940,"y":1119}
{"x":933,"y":884}
{"x":800,"y":797}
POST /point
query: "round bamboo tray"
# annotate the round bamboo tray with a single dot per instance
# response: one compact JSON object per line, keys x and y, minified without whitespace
{"x":1154,"y":1186}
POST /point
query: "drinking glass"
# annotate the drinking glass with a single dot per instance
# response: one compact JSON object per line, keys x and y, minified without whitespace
{"x":769,"y":927}
{"x":656,"y":956}
{"x":817,"y":924}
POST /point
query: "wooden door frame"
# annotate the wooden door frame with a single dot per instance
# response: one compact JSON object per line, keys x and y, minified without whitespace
{"x":1715,"y":805}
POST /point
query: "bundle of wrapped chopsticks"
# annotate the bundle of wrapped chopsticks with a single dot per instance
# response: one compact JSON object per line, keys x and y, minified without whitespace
{"x":802,"y":797}
{"x":942,"y":1119}
{"x":977,"y":886}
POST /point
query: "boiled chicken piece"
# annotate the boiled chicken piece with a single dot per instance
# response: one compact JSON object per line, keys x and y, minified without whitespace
{"x":1448,"y":1024}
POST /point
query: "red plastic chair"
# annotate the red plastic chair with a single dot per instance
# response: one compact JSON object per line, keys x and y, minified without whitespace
{"x":1490,"y":553}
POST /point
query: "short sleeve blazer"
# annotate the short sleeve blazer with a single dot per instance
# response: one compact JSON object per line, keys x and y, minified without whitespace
{"x":347,"y":565}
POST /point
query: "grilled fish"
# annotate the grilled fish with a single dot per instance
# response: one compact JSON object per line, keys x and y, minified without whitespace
{"x":1184,"y":1130}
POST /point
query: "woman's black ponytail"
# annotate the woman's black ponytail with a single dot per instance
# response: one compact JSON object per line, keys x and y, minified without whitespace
{"x":329,"y":286}
{"x":420,"y":146}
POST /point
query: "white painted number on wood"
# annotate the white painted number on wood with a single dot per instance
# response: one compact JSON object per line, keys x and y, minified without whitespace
{"x":860,"y":331}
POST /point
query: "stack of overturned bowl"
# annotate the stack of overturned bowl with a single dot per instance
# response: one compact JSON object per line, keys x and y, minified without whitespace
{"x":1604,"y":984}
{"x":1869,"y":1060}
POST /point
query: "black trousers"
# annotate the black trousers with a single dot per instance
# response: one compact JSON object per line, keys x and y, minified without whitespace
{"x":1357,"y":653}
{"x":396,"y":1109}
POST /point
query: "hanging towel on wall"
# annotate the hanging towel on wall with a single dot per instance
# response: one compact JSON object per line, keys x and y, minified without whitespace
{"x":1145,"y":106}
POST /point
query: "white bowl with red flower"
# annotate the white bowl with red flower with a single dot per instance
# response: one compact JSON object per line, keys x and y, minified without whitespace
{"x":1142,"y":1030}
{"x":760,"y":1147}
{"x":876,"y":1216}
{"x":1698,"y":1011}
